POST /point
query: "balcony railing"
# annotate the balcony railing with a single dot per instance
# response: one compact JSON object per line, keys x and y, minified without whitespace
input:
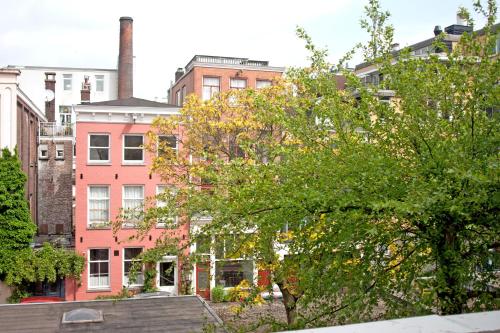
{"x":226,"y":61}
{"x":53,"y":130}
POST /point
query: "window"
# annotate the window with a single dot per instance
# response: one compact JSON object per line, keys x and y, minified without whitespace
{"x":238,"y":83}
{"x":230,"y":272}
{"x":167,"y":144}
{"x":65,"y":115}
{"x":133,"y":203}
{"x":68,"y":81}
{"x":98,"y":205}
{"x":259,"y":84}
{"x":183,"y":94}
{"x":99,"y":83}
{"x":98,"y":268}
{"x":99,"y":147}
{"x":129,"y":257}
{"x":43,"y":152}
{"x":59,"y":152}
{"x":165,"y":219}
{"x":211,"y":86}
{"x":178,"y":98}
{"x":133,"y":151}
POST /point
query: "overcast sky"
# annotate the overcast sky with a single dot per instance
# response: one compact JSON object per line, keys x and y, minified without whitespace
{"x":168,"y":33}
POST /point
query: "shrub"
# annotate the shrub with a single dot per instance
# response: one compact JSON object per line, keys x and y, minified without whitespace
{"x":217,"y":294}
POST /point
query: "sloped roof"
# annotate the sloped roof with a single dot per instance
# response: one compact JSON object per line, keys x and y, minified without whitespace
{"x":159,"y":314}
{"x":133,"y":101}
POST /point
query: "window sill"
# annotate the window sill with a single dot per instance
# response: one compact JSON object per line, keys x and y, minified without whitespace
{"x":98,"y":290}
{"x":99,"y":163}
{"x":133,"y":164}
{"x":90,"y":227}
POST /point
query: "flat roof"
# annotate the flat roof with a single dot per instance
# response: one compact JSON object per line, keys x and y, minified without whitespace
{"x":158,"y":314}
{"x":134,"y":102}
{"x":64,"y":68}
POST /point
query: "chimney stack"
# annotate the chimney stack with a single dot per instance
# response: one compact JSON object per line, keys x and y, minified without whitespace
{"x":85,"y":92}
{"x":179,"y":73}
{"x":50,"y":102}
{"x":125,"y":60}
{"x":437,"y":30}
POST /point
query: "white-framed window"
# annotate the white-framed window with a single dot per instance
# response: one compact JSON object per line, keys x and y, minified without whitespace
{"x":98,"y":205}
{"x":99,"y":83}
{"x":167,"y":143}
{"x":130,"y":255}
{"x":133,"y":150}
{"x":168,"y":219}
{"x":133,"y":204}
{"x":68,"y":81}
{"x":65,"y":115}
{"x":259,"y":84}
{"x":43,"y":152}
{"x":98,"y":268}
{"x":184,"y":91}
{"x":230,"y":271}
{"x":59,"y":151}
{"x":178,"y":101}
{"x":211,"y":86}
{"x":99,"y":148}
{"x":238,"y":84}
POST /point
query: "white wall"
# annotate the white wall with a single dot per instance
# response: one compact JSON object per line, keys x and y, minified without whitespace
{"x":32,"y":82}
{"x":8,"y":109}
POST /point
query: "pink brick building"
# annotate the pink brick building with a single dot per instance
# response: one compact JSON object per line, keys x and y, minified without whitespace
{"x":113,"y":172}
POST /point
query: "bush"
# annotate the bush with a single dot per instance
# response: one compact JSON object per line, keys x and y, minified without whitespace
{"x":217,"y":294}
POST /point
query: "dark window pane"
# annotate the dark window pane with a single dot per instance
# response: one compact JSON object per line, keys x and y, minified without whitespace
{"x":99,"y":154}
{"x":167,"y":274}
{"x":98,"y":254}
{"x":99,"y":140}
{"x":133,"y":140}
{"x":103,"y":267}
{"x":131,"y":253}
{"x":94,"y":268}
{"x":133,"y":154}
{"x":126,"y":266}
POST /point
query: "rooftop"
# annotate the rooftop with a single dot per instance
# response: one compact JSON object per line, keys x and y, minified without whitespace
{"x":160,"y":314}
{"x":57,"y":68}
{"x":134,"y":102}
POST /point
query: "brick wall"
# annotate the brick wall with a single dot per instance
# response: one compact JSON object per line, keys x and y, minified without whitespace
{"x":55,"y":195}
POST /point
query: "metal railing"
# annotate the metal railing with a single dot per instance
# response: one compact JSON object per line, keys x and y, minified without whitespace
{"x":229,"y":61}
{"x":53,"y":130}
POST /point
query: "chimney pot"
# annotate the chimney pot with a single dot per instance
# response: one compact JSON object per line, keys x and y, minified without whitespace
{"x":85,"y":92}
{"x":437,"y":30}
{"x":125,"y":59}
{"x":179,"y":73}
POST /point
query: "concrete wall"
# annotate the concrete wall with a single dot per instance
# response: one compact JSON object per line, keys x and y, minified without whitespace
{"x":5,"y":292}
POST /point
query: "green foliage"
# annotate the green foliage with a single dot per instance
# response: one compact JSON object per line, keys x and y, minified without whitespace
{"x":217,"y":294}
{"x":387,"y":206}
{"x":16,"y":228}
{"x":123,"y":294}
{"x":17,"y":295}
{"x":149,"y":281}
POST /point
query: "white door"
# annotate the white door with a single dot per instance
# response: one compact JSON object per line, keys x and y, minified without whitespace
{"x":166,"y":279}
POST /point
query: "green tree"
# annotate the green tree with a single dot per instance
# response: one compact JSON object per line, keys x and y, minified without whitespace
{"x":389,"y":209}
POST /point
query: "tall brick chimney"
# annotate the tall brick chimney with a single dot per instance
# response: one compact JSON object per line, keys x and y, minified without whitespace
{"x":50,"y":102}
{"x":125,"y":59}
{"x":85,"y":92}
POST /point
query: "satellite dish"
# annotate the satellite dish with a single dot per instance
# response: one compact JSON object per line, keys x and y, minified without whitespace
{"x":49,"y":95}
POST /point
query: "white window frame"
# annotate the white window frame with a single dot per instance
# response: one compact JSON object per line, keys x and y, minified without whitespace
{"x":268,"y":83}
{"x":108,"y":148}
{"x":89,"y":223}
{"x":99,"y":261}
{"x":68,"y":78}
{"x":237,"y":79}
{"x":99,"y":77}
{"x":124,"y":161}
{"x":127,"y":222}
{"x":43,"y":148}
{"x":176,"y":149}
{"x":175,"y":219}
{"x":59,"y":149}
{"x":140,"y":277}
{"x":212,"y":92}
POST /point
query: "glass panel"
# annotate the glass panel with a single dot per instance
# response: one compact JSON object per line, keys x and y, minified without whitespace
{"x":167,"y":274}
{"x":99,"y":254}
{"x":203,"y":279}
{"x":103,"y":266}
{"x":231,"y":273}
{"x":99,"y":154}
{"x":133,"y":154}
{"x":132,"y":253}
{"x":211,"y":81}
{"x":99,"y":140}
{"x":238,"y":83}
{"x":133,"y":140}
{"x":94,"y":268}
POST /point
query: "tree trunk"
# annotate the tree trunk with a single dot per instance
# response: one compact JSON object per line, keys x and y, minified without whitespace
{"x":290,"y":302}
{"x":452,"y":293}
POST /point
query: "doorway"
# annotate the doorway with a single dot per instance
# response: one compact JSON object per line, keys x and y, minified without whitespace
{"x":166,"y":279}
